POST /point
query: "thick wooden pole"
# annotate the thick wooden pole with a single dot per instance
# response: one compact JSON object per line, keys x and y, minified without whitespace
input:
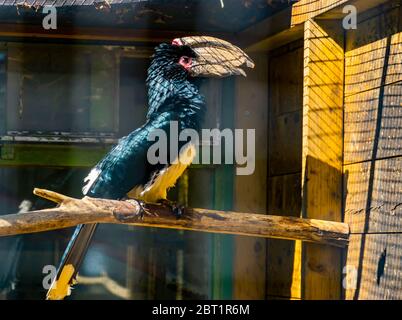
{"x":72,"y":212}
{"x":322,"y":152}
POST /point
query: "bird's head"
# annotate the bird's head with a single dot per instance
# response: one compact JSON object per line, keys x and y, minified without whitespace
{"x":200,"y":56}
{"x":173,"y":64}
{"x":211,"y":57}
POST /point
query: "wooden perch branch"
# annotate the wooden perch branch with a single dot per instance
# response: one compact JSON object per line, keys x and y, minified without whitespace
{"x":72,"y":212}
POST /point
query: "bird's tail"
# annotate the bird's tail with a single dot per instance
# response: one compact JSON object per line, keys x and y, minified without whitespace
{"x":71,"y":261}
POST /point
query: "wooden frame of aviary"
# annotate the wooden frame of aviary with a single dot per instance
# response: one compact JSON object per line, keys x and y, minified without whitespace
{"x":351,"y":90}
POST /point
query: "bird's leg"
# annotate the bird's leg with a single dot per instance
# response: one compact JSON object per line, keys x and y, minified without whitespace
{"x":178,"y":209}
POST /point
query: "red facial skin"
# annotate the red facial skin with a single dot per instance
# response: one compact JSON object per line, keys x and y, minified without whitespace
{"x":177,"y":42}
{"x":184,"y":61}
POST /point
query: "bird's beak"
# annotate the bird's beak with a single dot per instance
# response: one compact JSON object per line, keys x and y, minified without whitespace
{"x":215,"y":57}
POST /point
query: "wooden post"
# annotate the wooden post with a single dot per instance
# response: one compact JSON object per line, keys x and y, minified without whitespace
{"x":322,"y":152}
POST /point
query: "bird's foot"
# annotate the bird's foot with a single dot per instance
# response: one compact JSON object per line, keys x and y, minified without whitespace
{"x":126,"y":212}
{"x":177,"y":209}
{"x":143,"y":209}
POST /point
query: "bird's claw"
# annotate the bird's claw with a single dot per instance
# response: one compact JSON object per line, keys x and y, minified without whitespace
{"x":177,"y":209}
{"x":145,"y":210}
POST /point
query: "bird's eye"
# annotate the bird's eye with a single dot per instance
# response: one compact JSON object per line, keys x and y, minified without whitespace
{"x":185,"y":62}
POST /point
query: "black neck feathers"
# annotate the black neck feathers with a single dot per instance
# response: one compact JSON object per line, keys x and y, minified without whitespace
{"x":170,"y":88}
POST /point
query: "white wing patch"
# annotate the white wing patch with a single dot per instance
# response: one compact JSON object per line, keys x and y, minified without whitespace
{"x":160,"y":183}
{"x":90,"y":179}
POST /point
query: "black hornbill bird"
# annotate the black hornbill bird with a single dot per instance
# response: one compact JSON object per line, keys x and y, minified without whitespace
{"x":172,"y":96}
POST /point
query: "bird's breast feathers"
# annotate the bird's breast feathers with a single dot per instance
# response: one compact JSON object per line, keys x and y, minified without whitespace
{"x":156,"y":189}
